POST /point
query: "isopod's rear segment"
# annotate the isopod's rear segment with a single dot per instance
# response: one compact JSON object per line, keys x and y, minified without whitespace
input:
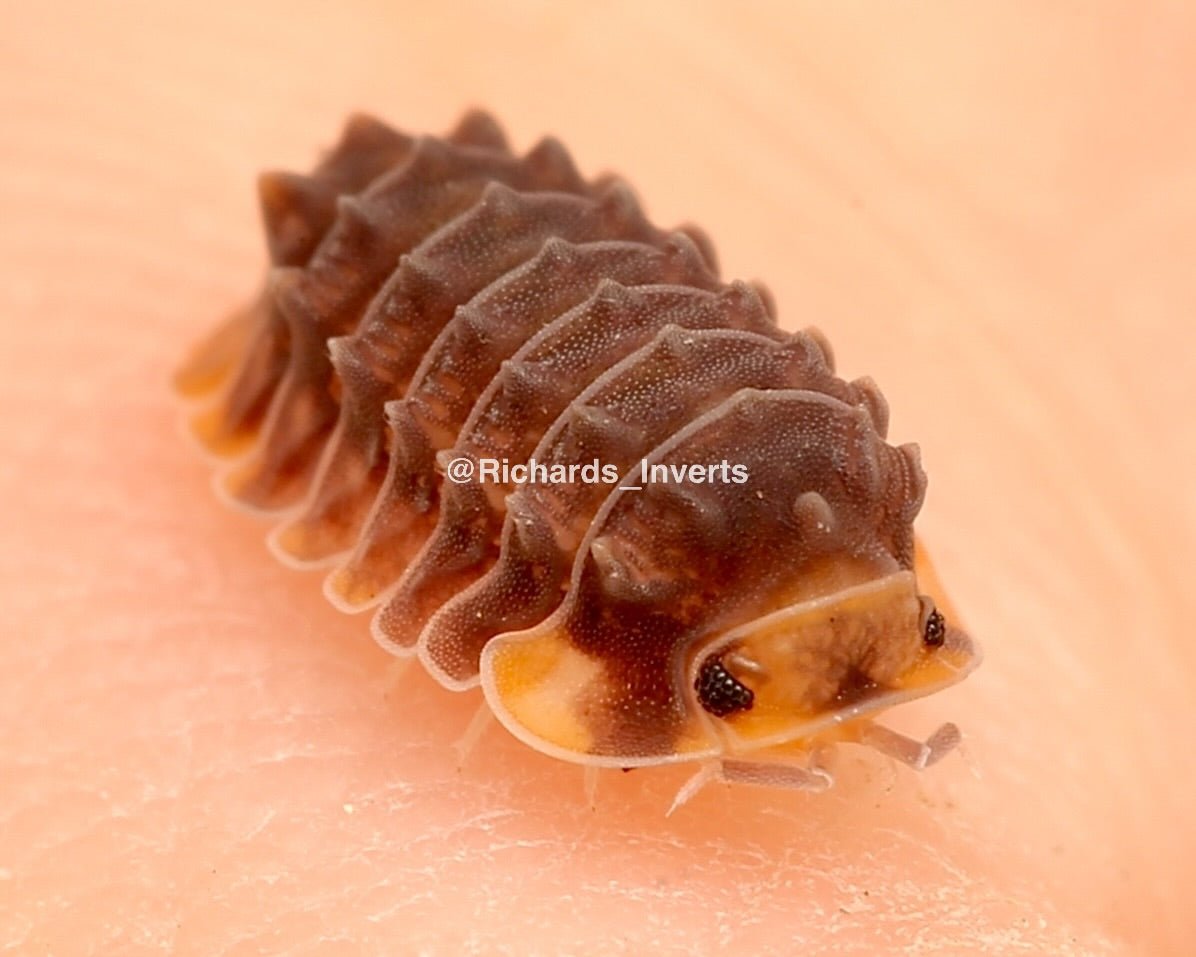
{"x":252,"y":347}
{"x":724,"y":617}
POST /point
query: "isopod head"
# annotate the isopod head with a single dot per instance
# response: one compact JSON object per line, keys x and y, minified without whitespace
{"x":772,"y":690}
{"x":809,"y":671}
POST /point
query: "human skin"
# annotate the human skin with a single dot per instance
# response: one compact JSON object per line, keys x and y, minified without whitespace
{"x":986,"y":207}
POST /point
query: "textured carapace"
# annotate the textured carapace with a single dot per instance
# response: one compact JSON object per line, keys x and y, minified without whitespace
{"x":567,"y":462}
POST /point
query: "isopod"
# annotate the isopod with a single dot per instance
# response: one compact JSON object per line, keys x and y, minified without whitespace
{"x":734,"y":582}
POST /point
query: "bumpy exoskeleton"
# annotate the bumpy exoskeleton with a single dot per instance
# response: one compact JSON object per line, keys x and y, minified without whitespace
{"x":708,"y":555}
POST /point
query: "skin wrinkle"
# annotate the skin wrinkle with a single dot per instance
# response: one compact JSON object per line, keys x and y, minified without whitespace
{"x":984,"y":209}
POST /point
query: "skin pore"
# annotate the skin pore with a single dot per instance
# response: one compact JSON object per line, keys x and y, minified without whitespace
{"x":986,"y":208}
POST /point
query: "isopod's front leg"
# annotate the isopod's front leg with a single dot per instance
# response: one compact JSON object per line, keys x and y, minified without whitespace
{"x":916,"y":754}
{"x":813,"y":777}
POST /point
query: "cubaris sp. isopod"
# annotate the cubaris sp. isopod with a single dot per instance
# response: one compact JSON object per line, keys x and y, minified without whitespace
{"x":436,"y":304}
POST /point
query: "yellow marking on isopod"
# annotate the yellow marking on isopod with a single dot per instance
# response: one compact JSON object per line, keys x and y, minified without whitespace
{"x":211,"y":364}
{"x":696,"y":738}
{"x":352,"y":590}
{"x":806,"y":649}
{"x":538,"y":677}
{"x":296,"y":540}
{"x":208,"y":426}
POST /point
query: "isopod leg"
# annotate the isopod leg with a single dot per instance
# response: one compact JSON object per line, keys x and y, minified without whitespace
{"x":590,"y":783}
{"x":814,"y":777}
{"x":478,"y":725}
{"x":396,"y":669}
{"x":909,"y":751}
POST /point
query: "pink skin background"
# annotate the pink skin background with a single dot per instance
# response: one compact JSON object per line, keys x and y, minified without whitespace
{"x":988,"y":207}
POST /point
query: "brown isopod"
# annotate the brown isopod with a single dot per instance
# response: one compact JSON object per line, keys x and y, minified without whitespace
{"x":567,"y":463}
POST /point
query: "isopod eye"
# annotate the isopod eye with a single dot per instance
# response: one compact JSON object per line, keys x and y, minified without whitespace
{"x":719,"y":691}
{"x":934,"y":627}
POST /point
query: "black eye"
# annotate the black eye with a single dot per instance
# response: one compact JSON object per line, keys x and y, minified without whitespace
{"x":934,"y":632}
{"x":719,"y":691}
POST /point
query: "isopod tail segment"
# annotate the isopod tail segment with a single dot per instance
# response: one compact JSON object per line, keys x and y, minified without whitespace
{"x":238,"y":368}
{"x":272,"y":419}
